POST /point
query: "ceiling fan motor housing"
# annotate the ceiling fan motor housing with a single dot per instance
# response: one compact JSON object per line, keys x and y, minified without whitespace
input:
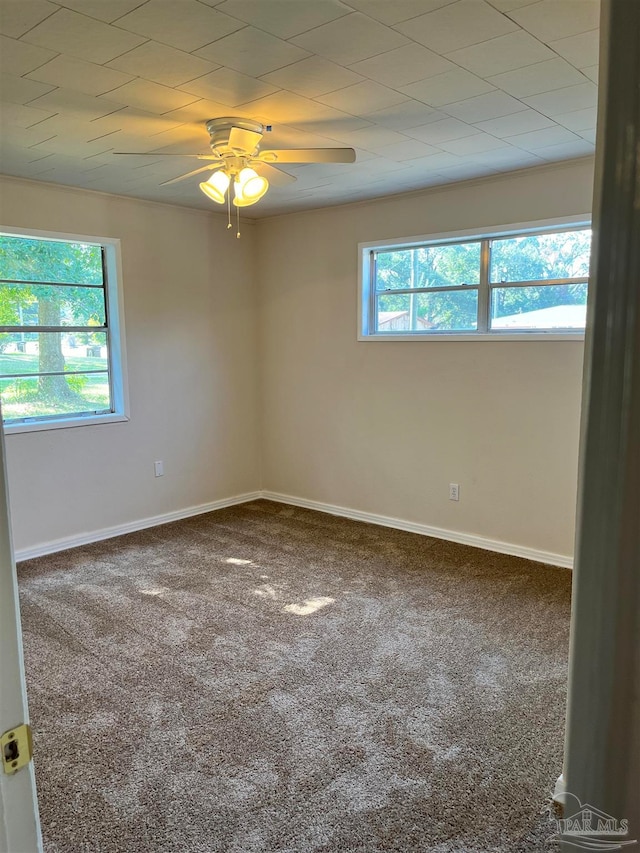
{"x":219,"y":130}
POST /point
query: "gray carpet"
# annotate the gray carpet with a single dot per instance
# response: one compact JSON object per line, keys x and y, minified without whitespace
{"x":265,"y":678}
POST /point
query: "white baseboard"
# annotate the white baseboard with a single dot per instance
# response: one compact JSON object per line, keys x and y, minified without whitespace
{"x":368,"y":517}
{"x":130,"y":527}
{"x":425,"y":530}
{"x":560,"y":789}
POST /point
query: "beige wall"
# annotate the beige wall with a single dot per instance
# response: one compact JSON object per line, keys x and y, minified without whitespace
{"x":228,"y":374}
{"x":190,"y":319}
{"x":383,"y":427}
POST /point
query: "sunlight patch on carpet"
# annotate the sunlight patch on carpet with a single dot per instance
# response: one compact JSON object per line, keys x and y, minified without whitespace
{"x":309,"y":606}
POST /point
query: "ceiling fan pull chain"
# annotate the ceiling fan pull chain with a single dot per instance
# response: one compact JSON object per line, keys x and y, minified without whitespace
{"x":229,"y":225}
{"x":238,"y":212}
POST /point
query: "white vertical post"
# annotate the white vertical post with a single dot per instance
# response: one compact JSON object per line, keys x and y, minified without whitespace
{"x":602,"y":755}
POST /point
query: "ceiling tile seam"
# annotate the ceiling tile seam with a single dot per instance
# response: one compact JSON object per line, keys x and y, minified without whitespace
{"x":407,"y":97}
{"x":522,"y":27}
{"x":37,"y":68}
{"x":349,"y":67}
{"x":256,"y":26}
{"x":215,"y":67}
{"x":422,"y":79}
{"x":36,"y":144}
{"x":526,"y":109}
{"x":26,"y":32}
{"x":373,"y":80}
{"x":111,"y":23}
{"x":118,"y":108}
{"x":97,"y":154}
{"x":102,"y":136}
{"x":158,"y":40}
{"x":35,"y":97}
{"x":56,"y":135}
{"x":120,"y":55}
{"x":244,"y":26}
{"x":39,"y":159}
{"x":29,"y":126}
{"x":342,"y":18}
{"x":122,"y":130}
{"x":564,"y":59}
{"x":218,"y":67}
{"x":97,"y":20}
{"x":404,"y":20}
{"x":295,"y":62}
{"x":390,"y":27}
{"x":395,"y":26}
{"x":142,"y":44}
{"x":104,"y":96}
{"x":533,"y":65}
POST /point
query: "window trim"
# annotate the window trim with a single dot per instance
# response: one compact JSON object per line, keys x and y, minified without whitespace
{"x":115,"y":335}
{"x":366,"y":288}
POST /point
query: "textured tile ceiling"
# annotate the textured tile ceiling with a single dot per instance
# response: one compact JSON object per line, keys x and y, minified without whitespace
{"x":427,"y":91}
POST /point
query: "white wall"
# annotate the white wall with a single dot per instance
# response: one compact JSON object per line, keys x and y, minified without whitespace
{"x":383,"y":427}
{"x":190,"y":319}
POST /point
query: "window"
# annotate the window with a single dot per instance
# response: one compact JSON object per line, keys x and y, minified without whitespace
{"x":517,"y":283}
{"x":60,"y":347}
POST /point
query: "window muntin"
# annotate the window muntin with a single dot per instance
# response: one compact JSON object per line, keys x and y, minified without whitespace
{"x":514,"y":283}
{"x":56,"y":342}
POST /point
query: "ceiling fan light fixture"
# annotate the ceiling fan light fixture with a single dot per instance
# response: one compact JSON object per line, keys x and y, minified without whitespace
{"x":239,"y":201}
{"x":249,"y":186}
{"x":216,"y":187}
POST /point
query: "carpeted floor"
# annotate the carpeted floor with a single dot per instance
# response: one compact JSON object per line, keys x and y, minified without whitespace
{"x":265,"y":678}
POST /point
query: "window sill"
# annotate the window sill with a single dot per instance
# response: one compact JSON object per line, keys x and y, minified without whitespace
{"x":64,"y":423}
{"x":472,"y":337}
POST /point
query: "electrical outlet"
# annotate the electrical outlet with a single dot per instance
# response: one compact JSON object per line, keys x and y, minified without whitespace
{"x":454,"y":492}
{"x":158,"y":467}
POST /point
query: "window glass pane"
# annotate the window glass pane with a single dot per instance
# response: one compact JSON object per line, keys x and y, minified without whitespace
{"x":456,"y":311}
{"x":556,"y":306}
{"x":27,"y":259}
{"x":51,"y":396}
{"x":52,"y":352}
{"x":428,"y":266}
{"x":536,"y":257}
{"x":37,"y":305}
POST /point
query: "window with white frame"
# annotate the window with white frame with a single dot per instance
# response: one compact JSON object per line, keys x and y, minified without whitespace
{"x":511,"y":283}
{"x":60,"y":331}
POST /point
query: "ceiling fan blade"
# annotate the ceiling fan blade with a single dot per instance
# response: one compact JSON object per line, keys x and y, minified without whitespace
{"x":206,"y":168}
{"x":308,"y":155}
{"x":161,"y":154}
{"x":276,"y":177}
{"x":245,"y":140}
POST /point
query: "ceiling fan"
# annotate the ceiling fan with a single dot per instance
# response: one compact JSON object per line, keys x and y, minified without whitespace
{"x":236,"y":160}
